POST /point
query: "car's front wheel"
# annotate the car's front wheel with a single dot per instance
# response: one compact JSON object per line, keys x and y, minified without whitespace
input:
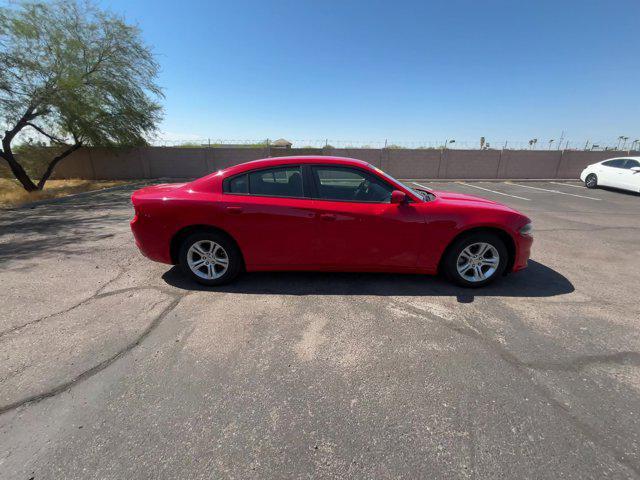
{"x":210,"y":258}
{"x":591,"y":181}
{"x":475,"y":260}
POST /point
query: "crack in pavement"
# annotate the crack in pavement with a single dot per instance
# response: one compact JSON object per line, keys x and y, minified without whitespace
{"x":493,"y":346}
{"x":93,"y":296}
{"x":579,"y":363}
{"x":104,"y":364}
{"x":96,"y":295}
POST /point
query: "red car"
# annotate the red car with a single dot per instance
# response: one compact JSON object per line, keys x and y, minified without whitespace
{"x":328,"y":214}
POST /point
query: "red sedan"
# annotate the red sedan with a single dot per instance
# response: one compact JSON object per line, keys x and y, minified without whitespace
{"x":328,"y":214}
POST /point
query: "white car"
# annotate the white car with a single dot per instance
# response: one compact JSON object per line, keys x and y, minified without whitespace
{"x":623,"y":172}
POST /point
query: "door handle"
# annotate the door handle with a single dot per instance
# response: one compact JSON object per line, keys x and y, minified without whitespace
{"x":234,"y":210}
{"x":327,"y":217}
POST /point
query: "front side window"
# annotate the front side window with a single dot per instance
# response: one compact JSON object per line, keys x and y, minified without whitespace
{"x":631,"y":163}
{"x":350,"y":185}
{"x":618,"y":163}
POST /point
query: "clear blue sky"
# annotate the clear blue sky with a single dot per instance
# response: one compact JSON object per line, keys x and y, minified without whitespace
{"x":407,"y":71}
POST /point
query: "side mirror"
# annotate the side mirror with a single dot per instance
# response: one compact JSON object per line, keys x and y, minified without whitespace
{"x":635,"y":169}
{"x":398,"y":197}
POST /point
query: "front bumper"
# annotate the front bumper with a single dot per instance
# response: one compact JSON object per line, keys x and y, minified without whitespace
{"x":583,"y":175}
{"x":523,"y":252}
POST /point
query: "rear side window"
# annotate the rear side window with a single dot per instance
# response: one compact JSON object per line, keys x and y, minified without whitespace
{"x":273,"y":182}
{"x":618,"y":163}
{"x":238,"y":184}
{"x":277,"y":182}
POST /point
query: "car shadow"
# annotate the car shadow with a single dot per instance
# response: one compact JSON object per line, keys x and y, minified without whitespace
{"x":537,"y":280}
{"x":619,"y":190}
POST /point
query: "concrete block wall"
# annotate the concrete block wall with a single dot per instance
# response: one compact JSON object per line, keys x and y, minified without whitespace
{"x":527,"y":164}
{"x":177,"y":162}
{"x":470,"y":164}
{"x":402,"y":163}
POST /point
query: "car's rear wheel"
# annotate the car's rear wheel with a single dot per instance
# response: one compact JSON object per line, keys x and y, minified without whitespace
{"x":210,"y":258}
{"x":475,"y":260}
{"x":591,"y":181}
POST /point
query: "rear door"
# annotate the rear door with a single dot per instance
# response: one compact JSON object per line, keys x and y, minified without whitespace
{"x":358,"y":227}
{"x":267,"y":212}
{"x":630,"y":179}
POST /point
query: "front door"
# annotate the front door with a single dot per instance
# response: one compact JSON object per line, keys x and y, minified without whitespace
{"x":358,"y":227}
{"x":610,"y":173}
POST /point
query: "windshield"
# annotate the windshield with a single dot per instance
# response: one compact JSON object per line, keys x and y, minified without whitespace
{"x":424,"y":194}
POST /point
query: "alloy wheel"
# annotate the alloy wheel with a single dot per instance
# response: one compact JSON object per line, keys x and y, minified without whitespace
{"x":478,"y":262}
{"x":207,"y":259}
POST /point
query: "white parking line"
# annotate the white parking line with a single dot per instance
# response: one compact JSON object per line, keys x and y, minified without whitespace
{"x":421,"y":186}
{"x":494,"y":191}
{"x":568,"y":185}
{"x":552,"y":191}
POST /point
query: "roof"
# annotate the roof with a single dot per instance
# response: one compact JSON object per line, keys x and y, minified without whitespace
{"x":306,"y":159}
{"x":621,"y":156}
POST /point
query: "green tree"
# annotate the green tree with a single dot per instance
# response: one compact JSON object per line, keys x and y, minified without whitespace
{"x":75,"y":75}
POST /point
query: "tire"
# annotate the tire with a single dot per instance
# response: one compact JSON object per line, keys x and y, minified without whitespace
{"x":491,"y":260}
{"x":591,"y":181}
{"x":209,"y":266}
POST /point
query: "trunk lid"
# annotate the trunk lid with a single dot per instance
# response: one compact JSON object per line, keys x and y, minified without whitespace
{"x":155,"y":191}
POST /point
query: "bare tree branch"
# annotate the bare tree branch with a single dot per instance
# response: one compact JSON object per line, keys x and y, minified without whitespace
{"x":53,"y":138}
{"x":54,"y":162}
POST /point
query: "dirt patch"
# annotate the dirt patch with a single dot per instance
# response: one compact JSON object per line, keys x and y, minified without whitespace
{"x":12,"y":194}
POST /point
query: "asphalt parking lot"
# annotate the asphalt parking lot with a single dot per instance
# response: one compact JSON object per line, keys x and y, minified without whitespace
{"x":114,"y":367}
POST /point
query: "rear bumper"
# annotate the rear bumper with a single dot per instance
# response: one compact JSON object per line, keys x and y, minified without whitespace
{"x":152,"y":243}
{"x":523,"y":252}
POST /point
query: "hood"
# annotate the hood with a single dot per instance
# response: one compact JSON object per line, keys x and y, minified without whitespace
{"x":463,"y":199}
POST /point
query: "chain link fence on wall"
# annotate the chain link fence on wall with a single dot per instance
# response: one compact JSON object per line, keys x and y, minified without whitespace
{"x":448,"y":143}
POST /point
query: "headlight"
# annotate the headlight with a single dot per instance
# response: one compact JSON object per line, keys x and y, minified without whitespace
{"x":527,"y":229}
